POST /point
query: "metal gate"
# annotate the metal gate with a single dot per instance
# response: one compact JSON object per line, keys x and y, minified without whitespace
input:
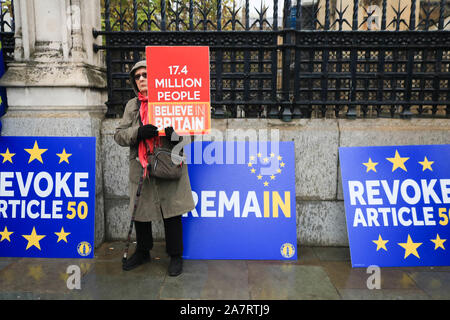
{"x":327,"y":58}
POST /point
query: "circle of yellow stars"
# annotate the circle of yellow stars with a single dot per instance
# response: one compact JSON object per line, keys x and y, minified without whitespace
{"x":265,"y":160}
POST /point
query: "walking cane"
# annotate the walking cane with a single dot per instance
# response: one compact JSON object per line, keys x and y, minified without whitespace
{"x":138,"y":194}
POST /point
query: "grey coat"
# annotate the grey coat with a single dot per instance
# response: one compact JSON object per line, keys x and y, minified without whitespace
{"x":159,"y":198}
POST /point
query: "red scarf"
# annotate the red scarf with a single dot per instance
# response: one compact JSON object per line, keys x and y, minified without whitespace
{"x":146,"y":146}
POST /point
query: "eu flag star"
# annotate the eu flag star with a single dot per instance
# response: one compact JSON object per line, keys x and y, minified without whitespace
{"x":62,"y":235}
{"x":438,"y":242}
{"x":63,"y":156}
{"x":370,"y":165}
{"x":7,"y":156}
{"x":33,"y":239}
{"x":5,"y":234}
{"x":398,"y":162}
{"x":410,"y":247}
{"x":35,"y":153}
{"x":426,"y":164}
{"x":381,"y":244}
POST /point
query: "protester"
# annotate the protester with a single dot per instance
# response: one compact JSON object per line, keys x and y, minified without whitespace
{"x":159,"y":198}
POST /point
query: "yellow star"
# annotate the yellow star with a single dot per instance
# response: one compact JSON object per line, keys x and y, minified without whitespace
{"x":438,"y":242}
{"x":410,"y":247}
{"x":253,"y":170}
{"x":62,"y":235}
{"x":398,"y":162}
{"x":266,"y":183}
{"x":426,"y":164}
{"x":5,"y":234}
{"x":381,"y":244}
{"x":7,"y":156}
{"x":279,"y":157}
{"x":370,"y":165}
{"x":259,"y":177}
{"x":33,"y":239}
{"x":278,"y":170}
{"x":250,"y":164}
{"x":35,"y":153}
{"x":272,"y":177}
{"x":64,"y":276}
{"x":63,"y":156}
{"x":282,"y":164}
{"x":35,"y":272}
{"x":259,"y":155}
{"x":252,"y":158}
{"x":266,"y":159}
{"x":272,"y":155}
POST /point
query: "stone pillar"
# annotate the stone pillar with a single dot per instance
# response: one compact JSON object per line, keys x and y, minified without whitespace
{"x":56,"y":85}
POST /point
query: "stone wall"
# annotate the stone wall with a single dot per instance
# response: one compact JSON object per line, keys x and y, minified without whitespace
{"x":320,"y":206}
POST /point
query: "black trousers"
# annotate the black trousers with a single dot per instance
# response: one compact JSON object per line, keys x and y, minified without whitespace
{"x":173,"y":231}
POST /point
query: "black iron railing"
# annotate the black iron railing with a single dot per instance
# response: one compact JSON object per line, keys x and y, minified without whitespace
{"x":307,"y":59}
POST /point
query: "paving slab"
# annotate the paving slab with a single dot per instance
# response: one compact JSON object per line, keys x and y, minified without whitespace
{"x":289,"y":281}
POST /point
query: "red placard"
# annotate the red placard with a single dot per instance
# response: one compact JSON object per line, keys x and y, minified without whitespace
{"x":178,"y":89}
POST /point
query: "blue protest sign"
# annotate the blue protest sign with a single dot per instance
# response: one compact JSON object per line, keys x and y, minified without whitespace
{"x":47,"y":197}
{"x":245,"y":201}
{"x":397,"y":203}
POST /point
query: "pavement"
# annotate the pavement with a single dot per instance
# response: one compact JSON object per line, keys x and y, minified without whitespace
{"x":320,"y":273}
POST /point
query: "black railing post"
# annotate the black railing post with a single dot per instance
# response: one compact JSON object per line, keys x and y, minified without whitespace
{"x":247,"y":56}
{"x":286,"y":113}
{"x":325,"y":57}
{"x":351,"y":113}
{"x":219,"y":111}
{"x":163,"y":15}
{"x":110,"y":113}
{"x":297,"y":112}
{"x":272,"y":110}
{"x":406,"y":112}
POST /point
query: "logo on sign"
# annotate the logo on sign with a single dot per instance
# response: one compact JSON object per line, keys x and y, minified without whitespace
{"x":287,"y":250}
{"x":84,"y":248}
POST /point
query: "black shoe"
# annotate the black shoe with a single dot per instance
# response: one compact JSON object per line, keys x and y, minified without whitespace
{"x":175,"y":266}
{"x":138,"y":258}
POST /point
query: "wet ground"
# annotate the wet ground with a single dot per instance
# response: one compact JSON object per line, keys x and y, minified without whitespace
{"x":319,"y":273}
